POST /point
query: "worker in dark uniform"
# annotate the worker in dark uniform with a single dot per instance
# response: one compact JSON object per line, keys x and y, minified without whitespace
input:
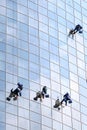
{"x":78,"y":28}
{"x":66,"y":98}
{"x":15,"y":93}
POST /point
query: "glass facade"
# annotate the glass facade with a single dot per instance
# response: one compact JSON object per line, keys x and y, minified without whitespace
{"x":36,"y":51}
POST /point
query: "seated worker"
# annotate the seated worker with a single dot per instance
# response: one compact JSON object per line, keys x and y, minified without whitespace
{"x":78,"y":28}
{"x":57,"y":104}
{"x":66,"y":98}
{"x":41,"y":94}
{"x":71,"y":32}
{"x":15,"y":93}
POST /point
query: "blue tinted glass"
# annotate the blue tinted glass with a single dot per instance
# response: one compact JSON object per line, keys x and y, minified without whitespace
{"x":23,"y":54}
{"x":2,"y":126}
{"x":2,"y":106}
{"x":64,"y":72}
{"x":2,"y":117}
{"x":2,"y":85}
{"x":2,"y":75}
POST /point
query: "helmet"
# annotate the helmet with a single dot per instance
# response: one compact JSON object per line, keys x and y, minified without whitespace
{"x":20,"y":86}
{"x":44,"y":89}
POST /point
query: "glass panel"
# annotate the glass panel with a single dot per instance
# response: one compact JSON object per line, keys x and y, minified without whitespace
{"x":75,"y":95}
{"x":2,"y":85}
{"x":44,"y":63}
{"x":53,"y":49}
{"x":2,"y":76}
{"x":45,"y":72}
{"x":24,"y":103}
{"x":56,"y":115}
{"x":43,"y":27}
{"x":61,"y":12}
{"x":84,"y":127}
{"x":9,"y":127}
{"x":34,"y":68}
{"x":84,"y":119}
{"x":23,"y":123}
{"x":2,"y":66}
{"x":35,"y":117}
{"x":83,"y":100}
{"x":64,"y":72}
{"x":84,"y":109}
{"x":34,"y":106}
{"x":65,"y":81}
{"x":55,"y":76}
{"x":2,"y":94}
{"x":52,"y":15}
{"x":2,"y":126}
{"x":35,"y":77}
{"x":67,"y":120}
{"x":46,"y":111}
{"x":46,"y":121}
{"x":11,"y":109}
{"x":66,"y":128}
{"x":46,"y":128}
{"x":44,"y":54}
{"x":35,"y":126}
{"x":74,"y":86}
{"x":2,"y":106}
{"x":2,"y":116}
{"x":51,"y":7}
{"x":22,"y":9}
{"x":34,"y":49}
{"x":57,"y":125}
{"x":2,"y":56}
{"x":67,"y":111}
{"x":11,"y":119}
{"x":76,"y":114}
{"x":83,"y":91}
{"x":2,"y":10}
{"x":43,"y":19}
{"x":76,"y":125}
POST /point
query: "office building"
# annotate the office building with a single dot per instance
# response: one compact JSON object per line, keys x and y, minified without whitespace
{"x":36,"y":51}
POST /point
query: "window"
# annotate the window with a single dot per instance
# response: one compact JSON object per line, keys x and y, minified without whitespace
{"x":35,"y":117}
{"x":76,"y":115}
{"x":67,"y":120}
{"x":35,"y":126}
{"x":57,"y":125}
{"x":23,"y":123}
{"x":46,"y":121}
{"x":11,"y":109}
{"x":46,"y":111}
{"x":11,"y":119}
{"x":9,"y":127}
{"x":2,"y":106}
{"x":2,"y":126}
